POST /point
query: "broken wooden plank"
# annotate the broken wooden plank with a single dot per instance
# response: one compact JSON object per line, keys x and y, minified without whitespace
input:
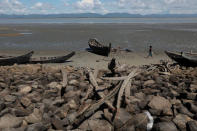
{"x":64,"y":77}
{"x":90,"y":90}
{"x":95,"y":85}
{"x":124,"y":85}
{"x":128,"y":92}
{"x":114,"y":78}
{"x":93,"y":108}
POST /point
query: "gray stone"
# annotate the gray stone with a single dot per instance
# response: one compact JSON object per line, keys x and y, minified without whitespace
{"x":159,"y":104}
{"x":73,"y":82}
{"x":180,"y":120}
{"x":149,"y":82}
{"x":165,"y":126}
{"x":10,"y":121}
{"x":25,"y":101}
{"x":35,"y":117}
{"x":121,"y":118}
{"x":10,"y":98}
{"x":2,"y":105}
{"x":192,"y":126}
{"x":24,"y":89}
{"x":36,"y":127}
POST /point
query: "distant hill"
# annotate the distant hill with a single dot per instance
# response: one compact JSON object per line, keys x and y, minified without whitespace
{"x":95,"y":15}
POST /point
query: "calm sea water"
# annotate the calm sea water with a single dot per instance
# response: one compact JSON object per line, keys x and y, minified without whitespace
{"x":96,"y":20}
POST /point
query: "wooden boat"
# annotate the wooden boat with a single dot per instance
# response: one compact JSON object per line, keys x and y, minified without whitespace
{"x":23,"y":59}
{"x":184,"y":59}
{"x":59,"y":59}
{"x":98,"y":48}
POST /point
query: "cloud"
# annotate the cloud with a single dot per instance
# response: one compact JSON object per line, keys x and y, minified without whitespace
{"x":42,"y":6}
{"x":98,"y":6}
{"x":88,"y":4}
{"x":65,"y":2}
{"x":156,"y":6}
{"x":12,"y":7}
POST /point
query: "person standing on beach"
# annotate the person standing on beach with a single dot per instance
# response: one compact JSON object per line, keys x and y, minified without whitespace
{"x":150,"y":53}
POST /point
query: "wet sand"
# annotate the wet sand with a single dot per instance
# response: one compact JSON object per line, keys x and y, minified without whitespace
{"x":69,"y":37}
{"x":60,"y":39}
{"x":87,"y":59}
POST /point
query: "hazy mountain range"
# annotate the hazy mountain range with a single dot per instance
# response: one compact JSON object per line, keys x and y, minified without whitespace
{"x":95,"y":15}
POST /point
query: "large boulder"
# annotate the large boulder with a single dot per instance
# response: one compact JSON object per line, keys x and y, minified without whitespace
{"x":36,"y":127}
{"x":10,"y":121}
{"x":35,"y":117}
{"x":159,"y":104}
{"x":180,"y":120}
{"x":165,"y":126}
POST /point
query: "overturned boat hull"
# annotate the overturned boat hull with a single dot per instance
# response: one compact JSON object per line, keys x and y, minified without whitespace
{"x":98,"y":48}
{"x":183,"y":59}
{"x":59,"y":59}
{"x":23,"y":59}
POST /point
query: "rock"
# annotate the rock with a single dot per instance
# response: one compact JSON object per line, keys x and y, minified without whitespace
{"x":108,"y":115}
{"x":20,"y":112}
{"x":191,"y":126}
{"x":183,"y":110}
{"x":158,"y":104}
{"x":174,"y":80}
{"x":97,"y":115}
{"x":140,"y":121}
{"x":192,"y":96}
{"x":165,"y":126}
{"x":35,"y":117}
{"x":2,"y":105}
{"x":149,"y":82}
{"x":58,"y":124}
{"x":14,"y":129}
{"x":72,"y":104}
{"x":96,"y":125}
{"x":10,"y":98}
{"x":34,"y":97}
{"x":121,"y":118}
{"x":36,"y":127}
{"x":58,"y":102}
{"x":193,"y":88}
{"x":10,"y":121}
{"x":191,"y":107}
{"x":3,"y":85}
{"x":25,"y":101}
{"x":71,"y":117}
{"x":52,"y":85}
{"x":73,"y":82}
{"x":24,"y":89}
{"x":5,"y":92}
{"x":69,"y":88}
{"x":180,"y":120}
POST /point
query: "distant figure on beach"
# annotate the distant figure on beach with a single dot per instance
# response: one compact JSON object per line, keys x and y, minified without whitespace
{"x":150,"y":52}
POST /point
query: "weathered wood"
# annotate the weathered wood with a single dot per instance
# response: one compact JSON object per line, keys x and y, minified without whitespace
{"x":96,"y":73}
{"x":124,"y":85}
{"x":127,"y":92}
{"x":93,"y":108}
{"x":64,"y":77}
{"x":95,"y":85}
{"x":114,"y":78}
{"x":90,"y":90}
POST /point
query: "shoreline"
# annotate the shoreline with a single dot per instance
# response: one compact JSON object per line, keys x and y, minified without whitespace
{"x":87,"y":59}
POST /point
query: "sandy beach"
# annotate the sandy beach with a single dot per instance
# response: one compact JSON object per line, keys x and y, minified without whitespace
{"x":88,"y":59}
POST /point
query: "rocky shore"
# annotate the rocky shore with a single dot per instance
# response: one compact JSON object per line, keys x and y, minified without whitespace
{"x":46,"y":98}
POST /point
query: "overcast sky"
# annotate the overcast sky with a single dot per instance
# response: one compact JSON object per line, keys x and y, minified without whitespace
{"x":98,"y":6}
